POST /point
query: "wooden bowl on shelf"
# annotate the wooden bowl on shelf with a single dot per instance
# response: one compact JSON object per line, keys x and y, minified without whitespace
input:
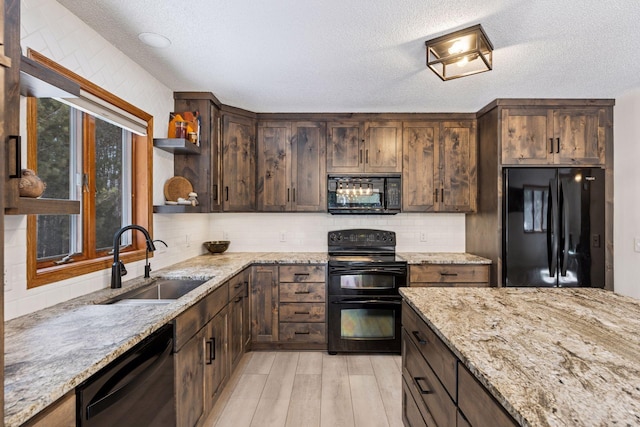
{"x":217,"y":246}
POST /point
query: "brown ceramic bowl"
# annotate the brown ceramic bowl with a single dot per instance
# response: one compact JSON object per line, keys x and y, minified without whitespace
{"x":217,"y":246}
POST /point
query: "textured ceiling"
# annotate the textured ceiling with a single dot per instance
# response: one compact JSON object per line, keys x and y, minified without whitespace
{"x":369,"y":56}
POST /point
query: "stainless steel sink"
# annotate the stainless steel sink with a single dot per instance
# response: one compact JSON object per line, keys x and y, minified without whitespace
{"x":161,"y":291}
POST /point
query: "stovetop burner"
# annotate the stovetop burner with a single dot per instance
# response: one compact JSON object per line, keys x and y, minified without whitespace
{"x":362,"y":243}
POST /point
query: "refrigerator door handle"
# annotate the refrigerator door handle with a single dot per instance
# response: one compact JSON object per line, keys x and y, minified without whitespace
{"x":552,"y":235}
{"x":564,"y":224}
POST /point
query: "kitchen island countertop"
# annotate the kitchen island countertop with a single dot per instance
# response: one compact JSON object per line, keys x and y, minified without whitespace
{"x":551,"y":357}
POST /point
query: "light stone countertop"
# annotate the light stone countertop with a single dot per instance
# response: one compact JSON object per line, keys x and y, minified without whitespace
{"x":551,"y":357}
{"x":49,"y":352}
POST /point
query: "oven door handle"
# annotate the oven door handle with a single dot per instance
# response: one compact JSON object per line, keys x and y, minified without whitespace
{"x":368,"y":301}
{"x":351,"y":271}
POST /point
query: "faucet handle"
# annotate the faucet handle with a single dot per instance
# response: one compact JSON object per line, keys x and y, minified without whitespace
{"x":123,"y":270}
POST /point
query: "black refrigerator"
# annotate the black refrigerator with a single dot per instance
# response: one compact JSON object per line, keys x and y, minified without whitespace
{"x":554,"y":227}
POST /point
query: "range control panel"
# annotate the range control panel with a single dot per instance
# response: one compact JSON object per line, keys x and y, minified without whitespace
{"x":362,"y":238}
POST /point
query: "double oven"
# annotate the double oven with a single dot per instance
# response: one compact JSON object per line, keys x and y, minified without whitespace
{"x":364,"y":304}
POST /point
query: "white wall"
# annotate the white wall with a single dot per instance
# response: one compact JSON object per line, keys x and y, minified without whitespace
{"x":307,"y":232}
{"x":626,"y":216}
{"x":53,"y":31}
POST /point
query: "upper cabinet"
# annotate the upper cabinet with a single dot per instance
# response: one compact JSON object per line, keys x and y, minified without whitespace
{"x":554,"y":135}
{"x":372,"y":146}
{"x":238,"y":163}
{"x":439,"y":166}
{"x":291,"y":166}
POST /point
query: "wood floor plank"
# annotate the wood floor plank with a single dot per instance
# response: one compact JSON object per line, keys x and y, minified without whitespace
{"x":276,"y":395}
{"x":242,"y":404}
{"x":359,"y":365}
{"x":261,"y":362}
{"x":368,"y":409}
{"x":310,"y":362}
{"x":304,"y":408}
{"x":389,"y":379}
{"x":227,"y":391}
{"x":335,"y":406}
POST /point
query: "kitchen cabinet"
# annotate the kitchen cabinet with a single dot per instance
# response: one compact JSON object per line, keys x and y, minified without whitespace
{"x":302,"y":303}
{"x":238,"y":317}
{"x":437,"y":388}
{"x":264,"y":304}
{"x":238,"y":163}
{"x":449,"y":275}
{"x":439,"y":166}
{"x":558,"y":136}
{"x":523,"y":132}
{"x":200,"y":353}
{"x":61,"y":413}
{"x":369,"y":146}
{"x":291,"y":166}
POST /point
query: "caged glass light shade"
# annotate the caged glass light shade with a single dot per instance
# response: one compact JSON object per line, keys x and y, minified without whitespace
{"x":460,"y":54}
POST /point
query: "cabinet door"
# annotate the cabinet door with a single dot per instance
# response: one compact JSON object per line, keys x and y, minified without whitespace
{"x":526,"y":136}
{"x":458,"y":167}
{"x":579,"y":136}
{"x":383,"y":147}
{"x":189,"y":371}
{"x":264,"y":304}
{"x":236,"y":327}
{"x":238,"y":163}
{"x":309,"y":179}
{"x":420,"y":164}
{"x":345,"y":147}
{"x":216,"y":357}
{"x":246,"y":319}
{"x":273,"y":190}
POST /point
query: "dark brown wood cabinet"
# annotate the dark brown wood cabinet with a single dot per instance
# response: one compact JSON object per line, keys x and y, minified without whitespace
{"x":449,"y":275}
{"x":238,"y":163}
{"x":291,"y":166}
{"x":370,"y":146}
{"x":216,"y":358}
{"x":558,"y":136}
{"x":537,"y":132}
{"x":238,"y":317}
{"x":264,"y":304}
{"x":438,"y":390}
{"x":439,"y":166}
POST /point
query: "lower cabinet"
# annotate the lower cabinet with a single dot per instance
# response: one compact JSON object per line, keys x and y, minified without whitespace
{"x":238,"y":317}
{"x":288,"y":304}
{"x":438,"y":390}
{"x":61,"y":413}
{"x":449,"y":275}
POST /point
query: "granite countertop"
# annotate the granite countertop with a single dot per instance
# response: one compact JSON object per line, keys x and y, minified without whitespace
{"x":49,"y":352}
{"x":551,"y":357}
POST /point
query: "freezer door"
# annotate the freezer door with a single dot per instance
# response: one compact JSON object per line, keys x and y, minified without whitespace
{"x":530,"y":230}
{"x":581,"y":216}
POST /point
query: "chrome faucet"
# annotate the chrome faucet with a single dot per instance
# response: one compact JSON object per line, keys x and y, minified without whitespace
{"x":117,"y":269}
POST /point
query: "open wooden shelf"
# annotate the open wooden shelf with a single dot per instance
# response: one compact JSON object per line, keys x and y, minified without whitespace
{"x":176,"y":209}
{"x":31,"y":206}
{"x":176,"y":145}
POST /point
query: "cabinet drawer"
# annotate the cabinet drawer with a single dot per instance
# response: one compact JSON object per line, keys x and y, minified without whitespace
{"x":237,"y":286}
{"x":477,"y":405}
{"x":192,"y":320}
{"x":303,"y":332}
{"x":302,"y":312}
{"x":302,"y":273}
{"x":412,"y":416}
{"x":302,"y":292}
{"x":435,"y":352}
{"x":425,"y":385}
{"x":449,"y":273}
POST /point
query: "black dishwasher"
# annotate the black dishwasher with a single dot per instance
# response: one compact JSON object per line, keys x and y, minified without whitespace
{"x":136,"y":389}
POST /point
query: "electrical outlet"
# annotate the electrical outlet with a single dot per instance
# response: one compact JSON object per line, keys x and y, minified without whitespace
{"x":636,"y":244}
{"x":423,"y":236}
{"x":283,"y":236}
{"x":225,"y":235}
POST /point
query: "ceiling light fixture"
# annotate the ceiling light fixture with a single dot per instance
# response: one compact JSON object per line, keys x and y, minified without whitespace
{"x":469,"y":49}
{"x":154,"y":40}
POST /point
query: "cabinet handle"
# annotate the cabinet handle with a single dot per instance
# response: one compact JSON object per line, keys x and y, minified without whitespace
{"x":367,"y":157}
{"x":294,"y":195}
{"x":302,"y":333}
{"x":448,"y":274}
{"x":211,"y":351}
{"x":419,"y":338}
{"x":215,"y":192}
{"x":550,"y":145}
{"x":227,"y":190}
{"x":237,"y":285}
{"x":557,"y":145}
{"x":442,"y":195}
{"x":301,"y":312}
{"x":360,"y":159}
{"x":300,"y":274}
{"x":301,"y":292}
{"x":288,"y":194}
{"x":238,"y":299}
{"x":436,"y":195}
{"x":18,"y":161}
{"x":417,"y":380}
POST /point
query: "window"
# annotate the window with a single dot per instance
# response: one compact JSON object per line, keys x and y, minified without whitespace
{"x":82,"y":156}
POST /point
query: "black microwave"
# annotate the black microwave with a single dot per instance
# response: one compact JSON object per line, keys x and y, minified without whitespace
{"x":364,"y":194}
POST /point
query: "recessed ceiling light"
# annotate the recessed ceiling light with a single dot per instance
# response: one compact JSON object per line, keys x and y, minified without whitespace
{"x":154,"y":40}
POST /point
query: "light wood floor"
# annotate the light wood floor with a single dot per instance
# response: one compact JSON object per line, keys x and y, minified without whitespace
{"x":306,"y":389}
